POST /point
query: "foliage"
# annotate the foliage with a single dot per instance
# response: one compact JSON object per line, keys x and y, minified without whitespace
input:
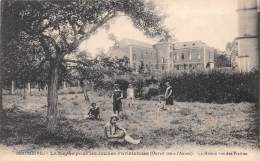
{"x":95,"y":70}
{"x":123,"y":84}
{"x":104,"y":85}
{"x":152,"y":92}
{"x":214,"y":86}
{"x":48,"y":30}
{"x":222,"y":61}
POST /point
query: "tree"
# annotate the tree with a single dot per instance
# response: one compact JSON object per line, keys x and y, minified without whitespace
{"x":228,"y":47}
{"x":90,"y":71}
{"x":60,"y":26}
{"x":222,"y":61}
{"x":141,"y":67}
{"x":1,"y":74}
{"x":22,"y":61}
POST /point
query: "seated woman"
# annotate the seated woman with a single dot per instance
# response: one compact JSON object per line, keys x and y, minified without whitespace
{"x":115,"y":133}
{"x":94,"y":113}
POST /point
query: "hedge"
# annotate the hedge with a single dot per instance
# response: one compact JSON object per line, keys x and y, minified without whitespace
{"x":214,"y":86}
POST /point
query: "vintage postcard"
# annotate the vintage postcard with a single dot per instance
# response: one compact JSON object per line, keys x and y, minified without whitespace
{"x":129,"y":79}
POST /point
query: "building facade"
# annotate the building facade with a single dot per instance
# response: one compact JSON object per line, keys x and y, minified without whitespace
{"x":164,"y":56}
{"x":194,"y":55}
{"x":140,"y":54}
{"x":246,"y":44}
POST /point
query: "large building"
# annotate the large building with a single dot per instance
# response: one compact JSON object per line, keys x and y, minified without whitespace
{"x":245,"y":46}
{"x":192,"y":55}
{"x":139,"y":53}
{"x":164,"y":56}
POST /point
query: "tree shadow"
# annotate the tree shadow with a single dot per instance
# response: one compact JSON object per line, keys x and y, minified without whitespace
{"x":21,"y":128}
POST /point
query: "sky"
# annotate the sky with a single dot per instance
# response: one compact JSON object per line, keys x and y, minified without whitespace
{"x":211,"y":21}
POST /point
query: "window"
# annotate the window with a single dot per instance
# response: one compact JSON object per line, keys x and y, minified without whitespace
{"x":182,"y":56}
{"x":142,"y":55}
{"x":147,"y":67}
{"x":134,"y":65}
{"x":184,"y":67}
{"x":198,"y":55}
{"x":134,"y":57}
{"x":193,"y":44}
{"x":178,"y":67}
{"x":184,"y":45}
{"x":176,"y":57}
{"x":163,"y":60}
{"x":162,"y":67}
{"x":190,"y":56}
{"x":211,"y":56}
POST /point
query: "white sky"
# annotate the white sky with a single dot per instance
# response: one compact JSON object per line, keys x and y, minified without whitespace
{"x":212,"y":21}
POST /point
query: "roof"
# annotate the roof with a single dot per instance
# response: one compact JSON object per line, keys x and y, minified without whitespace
{"x":189,"y":44}
{"x":127,"y":42}
{"x":117,"y":52}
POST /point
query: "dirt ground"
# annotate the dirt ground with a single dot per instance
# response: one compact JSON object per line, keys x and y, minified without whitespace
{"x":189,"y":124}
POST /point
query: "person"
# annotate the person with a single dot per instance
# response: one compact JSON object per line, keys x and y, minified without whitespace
{"x":168,"y":95}
{"x":94,"y":112}
{"x":116,"y":100}
{"x":130,"y":95}
{"x":115,"y":133}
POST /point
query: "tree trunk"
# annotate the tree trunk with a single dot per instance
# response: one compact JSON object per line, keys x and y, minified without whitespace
{"x":52,"y":99}
{"x":85,"y":91}
{"x":12,"y":88}
{"x":258,"y":103}
{"x":78,"y":83}
{"x":29,"y":88}
{"x":64,"y":85}
{"x":84,"y":86}
{"x":1,"y":96}
{"x":24,"y":91}
{"x":1,"y":75}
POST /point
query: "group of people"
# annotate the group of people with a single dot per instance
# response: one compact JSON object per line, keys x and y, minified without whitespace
{"x":112,"y":130}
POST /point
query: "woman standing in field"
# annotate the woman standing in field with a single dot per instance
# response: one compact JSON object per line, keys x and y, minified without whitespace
{"x":168,"y":95}
{"x":116,"y":100}
{"x":130,"y":95}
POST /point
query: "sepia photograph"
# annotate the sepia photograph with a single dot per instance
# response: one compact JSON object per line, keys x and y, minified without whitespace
{"x":151,"y":79}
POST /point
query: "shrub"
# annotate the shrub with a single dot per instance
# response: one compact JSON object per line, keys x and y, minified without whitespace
{"x":123,"y":84}
{"x":104,"y":85}
{"x":152,"y":92}
{"x":71,"y":92}
{"x":139,"y":84}
{"x":213,"y":86}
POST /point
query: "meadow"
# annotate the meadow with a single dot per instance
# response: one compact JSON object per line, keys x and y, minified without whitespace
{"x":191,"y":123}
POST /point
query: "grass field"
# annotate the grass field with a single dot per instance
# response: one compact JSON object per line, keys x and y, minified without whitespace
{"x":191,"y":124}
